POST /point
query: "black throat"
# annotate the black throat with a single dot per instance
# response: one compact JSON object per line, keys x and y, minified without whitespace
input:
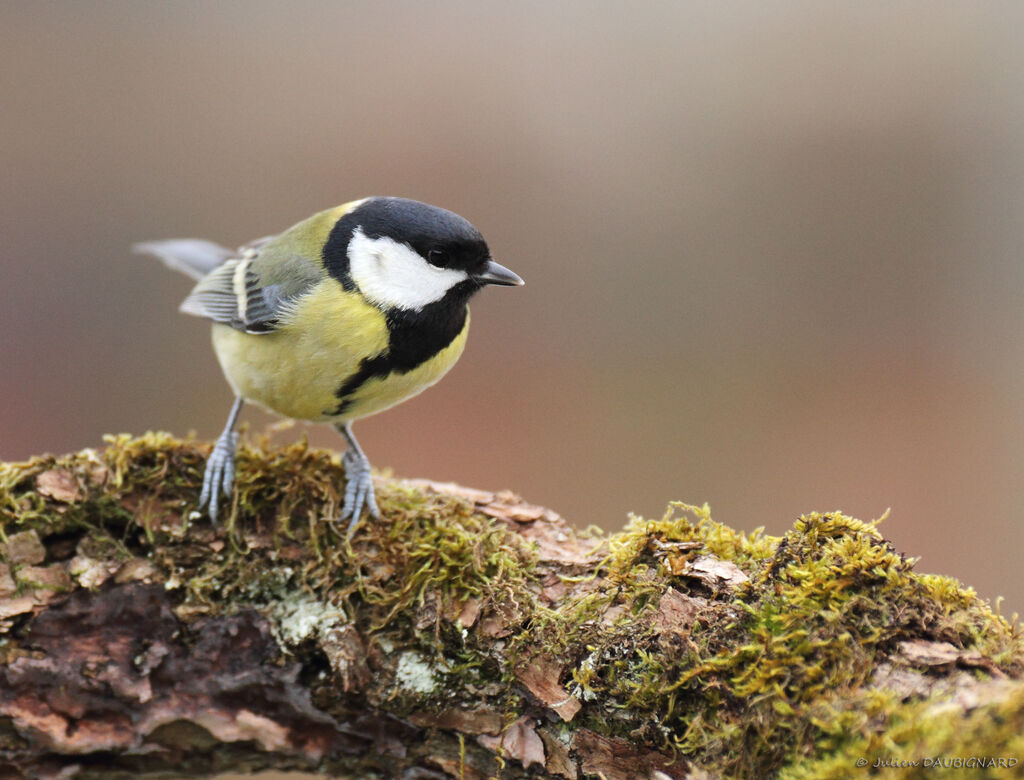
{"x":414,"y":337}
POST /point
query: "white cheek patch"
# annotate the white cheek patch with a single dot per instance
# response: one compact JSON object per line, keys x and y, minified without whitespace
{"x":391,"y":274}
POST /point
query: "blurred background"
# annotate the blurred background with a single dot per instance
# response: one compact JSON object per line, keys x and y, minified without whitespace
{"x":772,"y":251}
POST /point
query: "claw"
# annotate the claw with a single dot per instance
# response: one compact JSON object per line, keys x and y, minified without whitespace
{"x":220,"y":474}
{"x":359,"y":492}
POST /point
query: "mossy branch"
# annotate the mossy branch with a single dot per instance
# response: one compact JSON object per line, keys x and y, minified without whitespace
{"x":467,"y":635}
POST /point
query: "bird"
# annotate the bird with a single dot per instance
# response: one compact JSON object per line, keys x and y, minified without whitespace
{"x":343,"y":315}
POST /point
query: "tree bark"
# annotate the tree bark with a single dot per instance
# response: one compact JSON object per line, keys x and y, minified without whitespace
{"x":467,"y":634}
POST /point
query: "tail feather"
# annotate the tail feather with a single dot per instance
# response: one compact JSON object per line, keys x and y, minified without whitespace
{"x":191,"y":256}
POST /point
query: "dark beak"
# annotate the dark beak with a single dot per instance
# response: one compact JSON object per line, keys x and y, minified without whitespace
{"x":495,"y":273}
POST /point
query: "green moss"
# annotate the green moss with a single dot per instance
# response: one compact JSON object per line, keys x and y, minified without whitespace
{"x":920,"y":739}
{"x":780,"y":669}
{"x":401,"y":580}
{"x":775,"y":670}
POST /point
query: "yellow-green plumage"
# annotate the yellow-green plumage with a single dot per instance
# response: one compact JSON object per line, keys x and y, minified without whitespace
{"x":321,"y":338}
{"x":297,"y":370}
{"x":343,"y":315}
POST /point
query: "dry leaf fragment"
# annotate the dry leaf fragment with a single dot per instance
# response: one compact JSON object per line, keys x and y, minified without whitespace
{"x":520,"y":741}
{"x":452,"y":766}
{"x":976,"y":659}
{"x":567,"y":707}
{"x":23,"y":547}
{"x":7,"y":586}
{"x":90,"y":572}
{"x":18,"y":606}
{"x":98,"y":474}
{"x":508,"y":506}
{"x":469,"y":613}
{"x":926,"y":653}
{"x":677,"y":612}
{"x":540,"y":676}
{"x":553,"y":536}
{"x":136,"y":570}
{"x":676,"y":564}
{"x":346,"y":653}
{"x":555,"y":543}
{"x":903,"y":682}
{"x":476,"y":721}
{"x":47,"y":582}
{"x":616,"y":759}
{"x":60,"y":485}
{"x":451,"y":489}
{"x":664,"y":547}
{"x":676,"y":555}
{"x":714,"y":572}
{"x":494,"y":627}
{"x":51,"y":578}
{"x":559,"y":762}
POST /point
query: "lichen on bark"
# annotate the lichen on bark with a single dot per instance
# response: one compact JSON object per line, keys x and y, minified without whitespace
{"x":467,"y":634}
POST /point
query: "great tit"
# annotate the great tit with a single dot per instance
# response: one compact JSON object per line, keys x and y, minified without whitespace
{"x":341,"y":316}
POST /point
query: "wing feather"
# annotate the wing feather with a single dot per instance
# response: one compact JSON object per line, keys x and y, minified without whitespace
{"x":252,"y":289}
{"x":232,"y":295}
{"x":253,"y":292}
{"x":191,"y":256}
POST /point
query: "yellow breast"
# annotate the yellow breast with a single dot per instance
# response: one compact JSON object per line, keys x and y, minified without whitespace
{"x":380,"y":393}
{"x":297,"y":370}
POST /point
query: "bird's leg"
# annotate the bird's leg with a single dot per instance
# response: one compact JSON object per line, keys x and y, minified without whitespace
{"x":220,"y":467}
{"x":358,"y":482}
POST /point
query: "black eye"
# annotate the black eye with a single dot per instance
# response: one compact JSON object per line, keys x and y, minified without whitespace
{"x":437,"y":257}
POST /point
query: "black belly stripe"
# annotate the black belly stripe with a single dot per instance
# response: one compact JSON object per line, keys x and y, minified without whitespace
{"x":413,"y":338}
{"x":368,"y":368}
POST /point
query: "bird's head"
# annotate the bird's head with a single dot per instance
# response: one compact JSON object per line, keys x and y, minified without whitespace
{"x":403,"y":254}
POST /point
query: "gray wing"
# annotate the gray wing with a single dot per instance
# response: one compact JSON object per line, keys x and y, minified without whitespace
{"x":252,"y":293}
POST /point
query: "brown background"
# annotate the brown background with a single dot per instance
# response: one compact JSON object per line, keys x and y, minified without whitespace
{"x":772,"y":251}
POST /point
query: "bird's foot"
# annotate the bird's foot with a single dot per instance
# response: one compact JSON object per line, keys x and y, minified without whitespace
{"x":220,"y":474}
{"x":358,"y":490}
